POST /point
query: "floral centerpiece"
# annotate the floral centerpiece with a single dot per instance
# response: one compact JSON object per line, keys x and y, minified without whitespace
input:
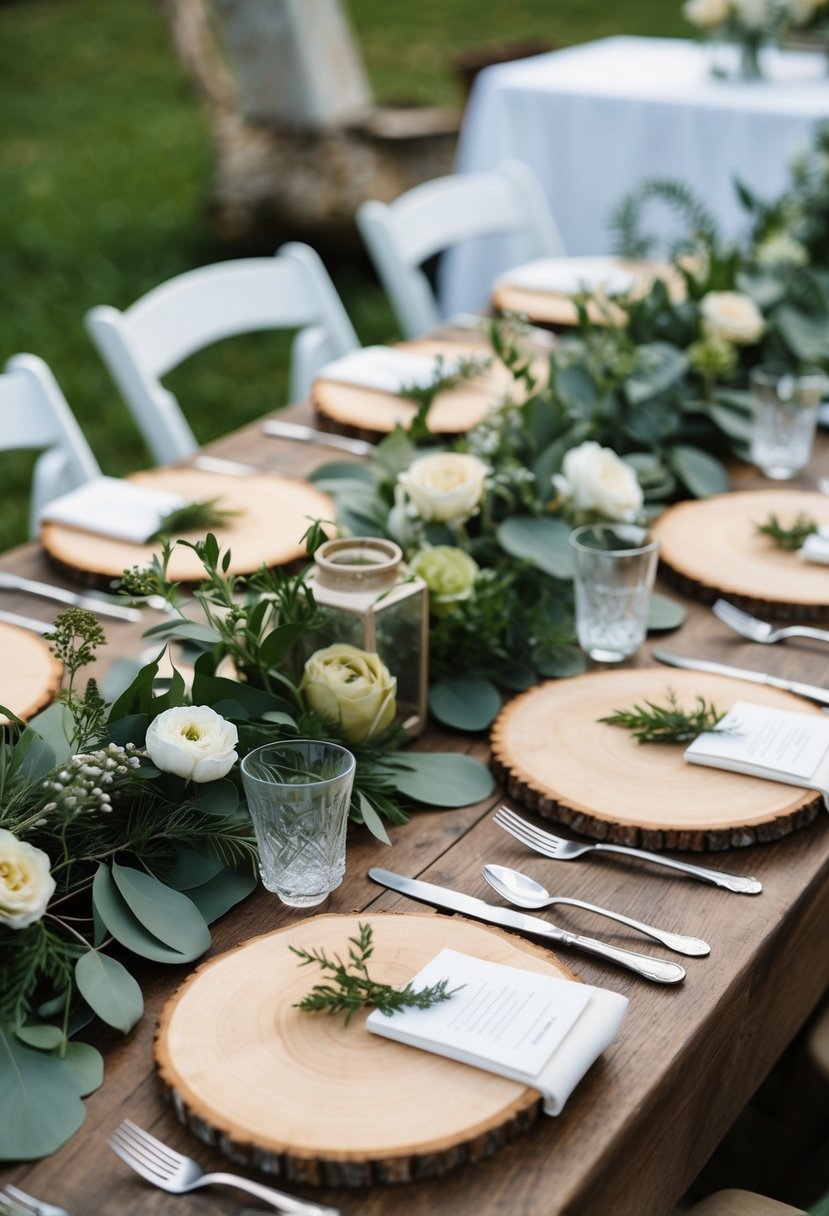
{"x":750,"y":25}
{"x":123,"y":827}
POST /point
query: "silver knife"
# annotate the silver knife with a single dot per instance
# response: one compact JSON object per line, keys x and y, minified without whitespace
{"x":278,"y":429}
{"x":444,"y":897}
{"x":16,"y":582}
{"x":26,"y":622}
{"x":821,"y":695}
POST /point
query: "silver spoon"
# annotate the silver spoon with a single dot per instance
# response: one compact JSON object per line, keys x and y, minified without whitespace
{"x":525,"y":892}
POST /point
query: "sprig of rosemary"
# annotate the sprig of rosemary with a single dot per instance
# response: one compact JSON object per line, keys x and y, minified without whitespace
{"x":352,"y":987}
{"x":423,"y":395}
{"x":200,"y":516}
{"x":788,"y":538}
{"x":651,"y":723}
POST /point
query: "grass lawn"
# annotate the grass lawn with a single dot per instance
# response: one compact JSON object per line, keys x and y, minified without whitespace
{"x":105,"y":166}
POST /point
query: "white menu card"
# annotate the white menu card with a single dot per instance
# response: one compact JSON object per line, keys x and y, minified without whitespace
{"x":536,"y":1029}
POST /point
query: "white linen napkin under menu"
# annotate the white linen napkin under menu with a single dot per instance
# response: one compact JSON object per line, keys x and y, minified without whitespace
{"x":540,"y":1030}
{"x":816,"y":547}
{"x":109,"y":506}
{"x":384,"y":368}
{"x":571,"y":276}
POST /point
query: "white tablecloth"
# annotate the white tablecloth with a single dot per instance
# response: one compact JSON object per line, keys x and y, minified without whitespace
{"x":592,"y":121}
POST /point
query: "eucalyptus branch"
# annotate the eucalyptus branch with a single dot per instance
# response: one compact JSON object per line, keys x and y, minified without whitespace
{"x":352,"y":987}
{"x":788,"y":538}
{"x":651,"y":723}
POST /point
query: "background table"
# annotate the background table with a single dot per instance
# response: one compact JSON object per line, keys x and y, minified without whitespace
{"x":593,"y":121}
{"x":647,"y":1116}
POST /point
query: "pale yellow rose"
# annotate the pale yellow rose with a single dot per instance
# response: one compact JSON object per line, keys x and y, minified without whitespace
{"x":706,"y":13}
{"x":446,"y":487}
{"x":26,"y":882}
{"x":352,"y":689}
{"x":732,"y":317}
{"x":192,"y":741}
{"x":448,"y":572}
{"x":594,"y":479}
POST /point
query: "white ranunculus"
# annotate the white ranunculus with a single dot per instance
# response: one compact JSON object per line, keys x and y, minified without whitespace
{"x":732,"y":317}
{"x":26,"y":882}
{"x":352,"y":689}
{"x":594,"y":479}
{"x":192,"y":741}
{"x":706,"y":13}
{"x":446,"y":487}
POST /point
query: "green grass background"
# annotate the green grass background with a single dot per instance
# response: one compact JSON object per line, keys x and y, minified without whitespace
{"x":105,"y":169}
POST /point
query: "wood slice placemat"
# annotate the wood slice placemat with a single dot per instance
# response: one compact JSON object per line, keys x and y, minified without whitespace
{"x":556,"y":757}
{"x":369,"y":412}
{"x":272,"y":515}
{"x":556,"y":309}
{"x":30,"y":672}
{"x":307,"y":1097}
{"x":711,"y":547}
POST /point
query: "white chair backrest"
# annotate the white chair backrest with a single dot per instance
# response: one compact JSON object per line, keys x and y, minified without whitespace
{"x":195,"y":309}
{"x":34,"y":414}
{"x":430,"y":218}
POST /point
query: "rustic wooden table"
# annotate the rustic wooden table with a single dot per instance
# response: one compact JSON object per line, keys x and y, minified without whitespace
{"x":648,"y":1115}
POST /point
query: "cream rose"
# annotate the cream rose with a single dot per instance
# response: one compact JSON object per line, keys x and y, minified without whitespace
{"x":753,"y":14}
{"x":26,"y":882}
{"x":448,"y":572}
{"x":593,"y":478}
{"x":446,"y":487}
{"x":706,"y":13}
{"x":192,"y":741}
{"x":731,"y":317}
{"x":352,"y":689}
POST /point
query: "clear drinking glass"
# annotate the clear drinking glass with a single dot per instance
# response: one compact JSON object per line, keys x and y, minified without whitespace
{"x":298,"y":794}
{"x":615,"y":566}
{"x":785,"y":413}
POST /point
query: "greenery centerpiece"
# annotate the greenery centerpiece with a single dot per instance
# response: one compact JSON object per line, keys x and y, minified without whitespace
{"x":749,"y":25}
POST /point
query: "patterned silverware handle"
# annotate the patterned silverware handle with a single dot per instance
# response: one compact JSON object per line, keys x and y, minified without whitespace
{"x":731,"y":882}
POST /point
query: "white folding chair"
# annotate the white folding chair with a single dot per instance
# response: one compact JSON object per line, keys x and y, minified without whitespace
{"x":432,"y":217}
{"x":200,"y":307}
{"x":34,"y":414}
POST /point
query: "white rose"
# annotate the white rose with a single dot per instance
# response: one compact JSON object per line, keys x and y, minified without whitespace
{"x":732,"y":317}
{"x":753,"y":14}
{"x":781,"y":249}
{"x":26,"y":882}
{"x":593,"y":478}
{"x":192,"y":741}
{"x":352,"y":689}
{"x":446,"y":487}
{"x":706,"y":13}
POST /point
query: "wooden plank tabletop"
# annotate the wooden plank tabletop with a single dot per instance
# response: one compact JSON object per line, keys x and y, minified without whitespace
{"x":648,"y":1115}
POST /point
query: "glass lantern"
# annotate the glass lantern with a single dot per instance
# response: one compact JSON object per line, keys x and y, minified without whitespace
{"x":368,"y":600}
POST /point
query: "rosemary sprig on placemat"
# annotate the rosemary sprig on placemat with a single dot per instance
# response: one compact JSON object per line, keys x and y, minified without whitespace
{"x":352,"y":987}
{"x":652,"y":723}
{"x":788,"y":538}
{"x":203,"y":515}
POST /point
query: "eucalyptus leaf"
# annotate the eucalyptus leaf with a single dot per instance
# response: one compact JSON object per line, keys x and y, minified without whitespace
{"x":565,"y":661}
{"x":55,"y":728}
{"x":138,"y":697}
{"x":659,"y":366}
{"x":222,"y":892}
{"x":192,"y":869}
{"x":192,"y":631}
{"x":41,"y":1108}
{"x":87,"y":1066}
{"x":544,"y":542}
{"x":807,"y":337}
{"x":664,"y":613}
{"x":465,"y":702}
{"x":167,"y":914}
{"x":209,"y":689}
{"x":735,"y":423}
{"x":516,"y":676}
{"x":702,"y":473}
{"x":445,"y":779}
{"x":217,"y":797}
{"x":371,"y":819}
{"x":41,"y":1035}
{"x":113,"y":910}
{"x":277,"y":644}
{"x":109,"y":989}
{"x":343,"y":470}
{"x":575,"y":388}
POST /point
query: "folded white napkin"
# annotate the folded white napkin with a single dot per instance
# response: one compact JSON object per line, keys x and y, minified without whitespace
{"x":816,"y":547}
{"x":109,"y":506}
{"x":384,"y":368}
{"x":540,"y":1030}
{"x":570,"y":276}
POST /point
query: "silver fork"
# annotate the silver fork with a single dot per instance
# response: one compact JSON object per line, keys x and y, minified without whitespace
{"x":171,"y":1171}
{"x":26,"y":1205}
{"x":761,"y":631}
{"x":560,"y":849}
